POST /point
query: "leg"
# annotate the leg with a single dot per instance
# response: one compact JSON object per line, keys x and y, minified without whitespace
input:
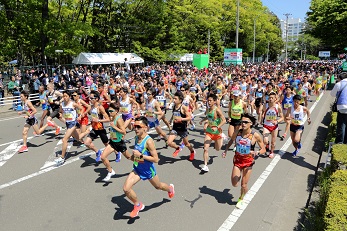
{"x":230,"y":134}
{"x":25,"y":134}
{"x":131,"y":180}
{"x":66,"y":140}
{"x":207,"y":144}
{"x":107,"y":151}
{"x":340,"y":128}
{"x":170,"y":142}
{"x":89,"y":143}
{"x":159,"y":185}
{"x":160,"y":132}
{"x":266,"y":134}
{"x":218,"y":144}
{"x":274,"y":134}
{"x":292,"y":136}
{"x":235,"y":176}
{"x":187,"y":144}
{"x":246,"y":173}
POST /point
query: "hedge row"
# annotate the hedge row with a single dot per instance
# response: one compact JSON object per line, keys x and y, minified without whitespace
{"x":335,"y":215}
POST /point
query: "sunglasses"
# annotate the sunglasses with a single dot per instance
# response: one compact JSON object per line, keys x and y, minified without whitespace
{"x":137,"y":126}
{"x":245,"y":122}
{"x":110,"y":111}
{"x":74,"y":95}
{"x":92,"y":98}
{"x":149,"y":93}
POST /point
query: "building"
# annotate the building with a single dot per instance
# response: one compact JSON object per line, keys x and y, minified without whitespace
{"x":295,"y":27}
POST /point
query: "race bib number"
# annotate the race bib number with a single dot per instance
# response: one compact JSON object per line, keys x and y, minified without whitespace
{"x":68,"y":116}
{"x":242,"y":149}
{"x":124,"y":110}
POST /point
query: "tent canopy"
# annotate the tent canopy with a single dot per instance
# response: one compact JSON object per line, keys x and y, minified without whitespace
{"x":13,"y":62}
{"x":181,"y":58}
{"x":106,"y":58}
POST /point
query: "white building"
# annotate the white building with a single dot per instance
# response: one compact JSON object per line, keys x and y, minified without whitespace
{"x":295,"y":27}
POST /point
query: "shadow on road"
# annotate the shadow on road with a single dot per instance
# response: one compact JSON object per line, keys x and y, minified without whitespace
{"x":223,"y":197}
{"x":102,"y":174}
{"x":125,"y":207}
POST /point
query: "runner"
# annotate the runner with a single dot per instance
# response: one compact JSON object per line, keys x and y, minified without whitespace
{"x":99,"y":116}
{"x":44,"y":104}
{"x":31,"y":120}
{"x":54,"y":98}
{"x":161,"y":98}
{"x":116,"y":143}
{"x":270,"y":114}
{"x":317,"y":86}
{"x":82,"y":115}
{"x":296,"y":116}
{"x":243,"y":160}
{"x":68,"y":110}
{"x":180,"y":116}
{"x":153,"y":111}
{"x":126,"y":105}
{"x":236,"y":108}
{"x":213,"y":131}
{"x":287,"y":103}
{"x":144,"y":157}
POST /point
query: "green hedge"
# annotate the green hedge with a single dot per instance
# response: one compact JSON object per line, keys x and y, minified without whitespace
{"x":339,"y":156}
{"x":335,"y":217}
{"x":331,"y":130}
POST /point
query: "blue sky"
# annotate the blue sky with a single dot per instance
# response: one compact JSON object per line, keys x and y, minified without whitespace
{"x":297,"y":8}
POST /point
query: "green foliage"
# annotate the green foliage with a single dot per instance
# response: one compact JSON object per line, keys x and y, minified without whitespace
{"x":31,"y":29}
{"x":332,"y":130}
{"x":336,"y":209}
{"x":339,"y":155}
{"x":327,"y":21}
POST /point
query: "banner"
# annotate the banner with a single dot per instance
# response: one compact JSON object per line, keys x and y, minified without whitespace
{"x":233,"y":56}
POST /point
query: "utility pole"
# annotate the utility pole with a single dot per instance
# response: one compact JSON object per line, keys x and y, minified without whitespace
{"x":268,"y":49}
{"x":287,"y":15}
{"x":237,"y":23}
{"x":208,"y":44}
{"x":255,"y":20}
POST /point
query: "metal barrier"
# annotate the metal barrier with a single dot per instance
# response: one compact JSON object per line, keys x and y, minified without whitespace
{"x":15,"y":99}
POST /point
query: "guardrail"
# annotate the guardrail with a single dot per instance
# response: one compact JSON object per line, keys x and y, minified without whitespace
{"x":15,"y":101}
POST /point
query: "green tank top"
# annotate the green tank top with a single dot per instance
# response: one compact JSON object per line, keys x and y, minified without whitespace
{"x":212,"y":122}
{"x":236,"y":110}
{"x":115,"y":135}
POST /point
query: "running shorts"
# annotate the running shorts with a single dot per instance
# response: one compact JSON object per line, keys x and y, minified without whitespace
{"x":94,"y":134}
{"x":271,"y":128}
{"x":243,"y":161}
{"x":118,"y":146}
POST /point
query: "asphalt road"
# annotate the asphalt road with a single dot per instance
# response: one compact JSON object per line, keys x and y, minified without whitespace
{"x":36,"y":195}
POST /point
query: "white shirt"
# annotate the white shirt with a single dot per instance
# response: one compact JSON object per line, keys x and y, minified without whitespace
{"x":341,"y":108}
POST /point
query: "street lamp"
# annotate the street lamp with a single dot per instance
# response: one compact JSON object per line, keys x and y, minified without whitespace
{"x":237,"y":23}
{"x":254,"y":33}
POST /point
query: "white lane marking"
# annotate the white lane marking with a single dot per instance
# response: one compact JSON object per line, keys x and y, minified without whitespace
{"x":236,"y":213}
{"x":29,"y":138}
{"x":50,"y":160}
{"x":8,"y":152}
{"x":48,"y":169}
{"x":16,"y":117}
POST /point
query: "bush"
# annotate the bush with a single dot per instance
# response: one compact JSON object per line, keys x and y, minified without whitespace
{"x":331,"y":130}
{"x":335,"y":216}
{"x":339,"y":156}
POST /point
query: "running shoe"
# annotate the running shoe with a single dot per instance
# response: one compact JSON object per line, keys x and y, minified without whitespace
{"x":205,"y":168}
{"x":175,"y":154}
{"x":299,"y":145}
{"x":59,"y":161}
{"x":23,"y":149}
{"x":192,"y":154}
{"x":192,"y":128}
{"x":239,"y":204}
{"x":109,"y":175}
{"x":295,"y":152}
{"x":136,"y":210}
{"x":57,"y":130}
{"x":283,"y":136}
{"x":98,"y":156}
{"x":171,"y":193}
{"x":50,"y":123}
{"x":271,"y":155}
{"x":118,"y":156}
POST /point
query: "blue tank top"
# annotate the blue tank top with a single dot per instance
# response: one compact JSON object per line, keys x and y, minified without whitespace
{"x":141,"y":165}
{"x":287,"y":102}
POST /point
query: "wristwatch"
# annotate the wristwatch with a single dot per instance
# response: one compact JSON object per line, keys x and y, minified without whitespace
{"x":141,"y":156}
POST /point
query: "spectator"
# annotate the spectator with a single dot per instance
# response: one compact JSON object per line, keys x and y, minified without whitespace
{"x":13,"y":85}
{"x":340,"y":89}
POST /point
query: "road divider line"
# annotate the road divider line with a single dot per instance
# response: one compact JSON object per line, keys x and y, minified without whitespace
{"x":48,"y":169}
{"x":236,"y":213}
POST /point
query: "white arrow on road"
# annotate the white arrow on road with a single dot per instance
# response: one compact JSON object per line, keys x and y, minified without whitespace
{"x":50,"y":160}
{"x":8,"y":152}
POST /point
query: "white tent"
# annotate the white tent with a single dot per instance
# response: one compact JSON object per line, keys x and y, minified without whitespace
{"x":181,"y":58}
{"x":106,"y":58}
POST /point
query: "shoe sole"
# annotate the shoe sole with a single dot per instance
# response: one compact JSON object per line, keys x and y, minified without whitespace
{"x":142,"y":208}
{"x":22,"y":151}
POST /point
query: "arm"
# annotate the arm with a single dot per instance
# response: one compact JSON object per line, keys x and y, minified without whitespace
{"x":151,"y":148}
{"x":187,"y":112}
{"x":221,"y":115}
{"x":259,"y":140}
{"x":33,"y":109}
{"x":119,"y":126}
{"x":85,"y":105}
{"x":104,"y":114}
{"x":158,"y":109}
{"x":308,"y":113}
{"x":280,"y":114}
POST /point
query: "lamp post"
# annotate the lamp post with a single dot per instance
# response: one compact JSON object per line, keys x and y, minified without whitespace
{"x":237,"y":23}
{"x":287,"y":15}
{"x":254,"y":33}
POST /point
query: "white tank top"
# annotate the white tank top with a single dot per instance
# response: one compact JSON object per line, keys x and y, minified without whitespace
{"x":28,"y":110}
{"x":297,"y":116}
{"x":69,"y":112}
{"x":125,"y":106}
{"x":271,"y":114}
{"x":150,"y":109}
